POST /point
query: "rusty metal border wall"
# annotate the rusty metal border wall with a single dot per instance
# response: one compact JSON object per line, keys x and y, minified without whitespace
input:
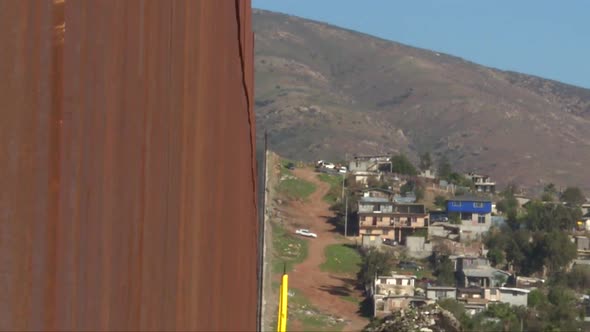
{"x":127,"y":166}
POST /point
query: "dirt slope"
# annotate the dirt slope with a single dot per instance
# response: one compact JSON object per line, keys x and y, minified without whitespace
{"x":307,"y":277}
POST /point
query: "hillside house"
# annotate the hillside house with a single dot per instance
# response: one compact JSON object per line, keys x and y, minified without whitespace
{"x":428,"y":174}
{"x":483,"y":183}
{"x":368,"y":163}
{"x":408,"y":198}
{"x":527,"y":282}
{"x":437,"y":293}
{"x":362,"y":177}
{"x":379,"y":217}
{"x":477,"y":272}
{"x":395,"y":292}
{"x":476,"y":299}
{"x":514,"y":296}
{"x":474,"y":212}
{"x":582,"y":243}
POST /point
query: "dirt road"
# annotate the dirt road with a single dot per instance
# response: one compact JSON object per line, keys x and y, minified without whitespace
{"x":323,"y":289}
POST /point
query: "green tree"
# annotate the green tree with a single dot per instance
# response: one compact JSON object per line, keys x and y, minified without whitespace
{"x":549,"y":193}
{"x":425,"y":161}
{"x":444,"y":272}
{"x":460,"y":180}
{"x":407,"y":187}
{"x":374,"y":262}
{"x":507,"y":204}
{"x":573,"y":196}
{"x":517,"y":249}
{"x":508,"y":316}
{"x":402,"y":165}
{"x":550,"y":216}
{"x":563,"y":306}
{"x":537,"y":298}
{"x":419,"y":192}
{"x":554,"y":249}
{"x":444,"y":167}
{"x":579,"y":278}
{"x":550,"y":188}
{"x":458,"y":310}
{"x":454,"y":218}
{"x":440,"y":201}
{"x":496,"y":256}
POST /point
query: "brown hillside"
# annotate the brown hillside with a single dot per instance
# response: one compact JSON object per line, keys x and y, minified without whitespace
{"x":327,"y":92}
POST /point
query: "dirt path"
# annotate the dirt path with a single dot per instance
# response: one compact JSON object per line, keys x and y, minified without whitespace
{"x":323,"y":289}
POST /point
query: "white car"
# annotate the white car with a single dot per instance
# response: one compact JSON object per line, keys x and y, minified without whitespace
{"x":306,"y":232}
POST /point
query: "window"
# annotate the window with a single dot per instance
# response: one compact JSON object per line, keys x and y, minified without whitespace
{"x":441,"y":294}
{"x":374,"y":221}
{"x":379,"y":218}
{"x":362,"y":218}
{"x":456,"y":204}
{"x":481,"y":219}
{"x":478,"y":204}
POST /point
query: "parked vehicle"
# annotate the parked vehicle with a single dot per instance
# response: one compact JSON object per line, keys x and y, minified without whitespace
{"x":306,"y":232}
{"x":409,"y":266}
{"x":325,"y":164}
{"x":342,"y":169}
{"x":390,"y":242}
{"x":290,"y":166}
{"x":438,"y":218}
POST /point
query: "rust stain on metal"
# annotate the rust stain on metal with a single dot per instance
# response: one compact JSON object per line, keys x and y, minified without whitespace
{"x":127,"y":166}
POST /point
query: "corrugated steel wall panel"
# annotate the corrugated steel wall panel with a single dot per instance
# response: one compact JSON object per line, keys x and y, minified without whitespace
{"x":127,"y":166}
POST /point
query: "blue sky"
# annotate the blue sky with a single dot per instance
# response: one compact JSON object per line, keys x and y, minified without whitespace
{"x":547,"y":38}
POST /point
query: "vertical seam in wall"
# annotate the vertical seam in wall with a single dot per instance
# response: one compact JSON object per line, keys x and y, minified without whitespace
{"x":247,"y":95}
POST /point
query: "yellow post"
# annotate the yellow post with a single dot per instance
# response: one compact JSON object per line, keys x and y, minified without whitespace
{"x":280,"y":307}
{"x":283,"y":297}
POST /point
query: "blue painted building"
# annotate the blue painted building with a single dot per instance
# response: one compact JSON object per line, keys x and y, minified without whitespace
{"x":475,"y":213}
{"x":469,"y":205}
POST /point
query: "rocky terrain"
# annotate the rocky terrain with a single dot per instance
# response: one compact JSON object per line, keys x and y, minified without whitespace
{"x":428,"y":319}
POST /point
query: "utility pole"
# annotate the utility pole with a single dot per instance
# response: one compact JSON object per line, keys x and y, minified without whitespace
{"x":346,"y":218}
{"x":343,"y":177}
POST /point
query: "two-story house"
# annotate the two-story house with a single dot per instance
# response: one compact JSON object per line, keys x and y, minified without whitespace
{"x":483,"y":183}
{"x":477,"y":299}
{"x":477,"y":272}
{"x":395,"y":292}
{"x":381,"y":219}
{"x":368,"y":163}
{"x":474,"y":212}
